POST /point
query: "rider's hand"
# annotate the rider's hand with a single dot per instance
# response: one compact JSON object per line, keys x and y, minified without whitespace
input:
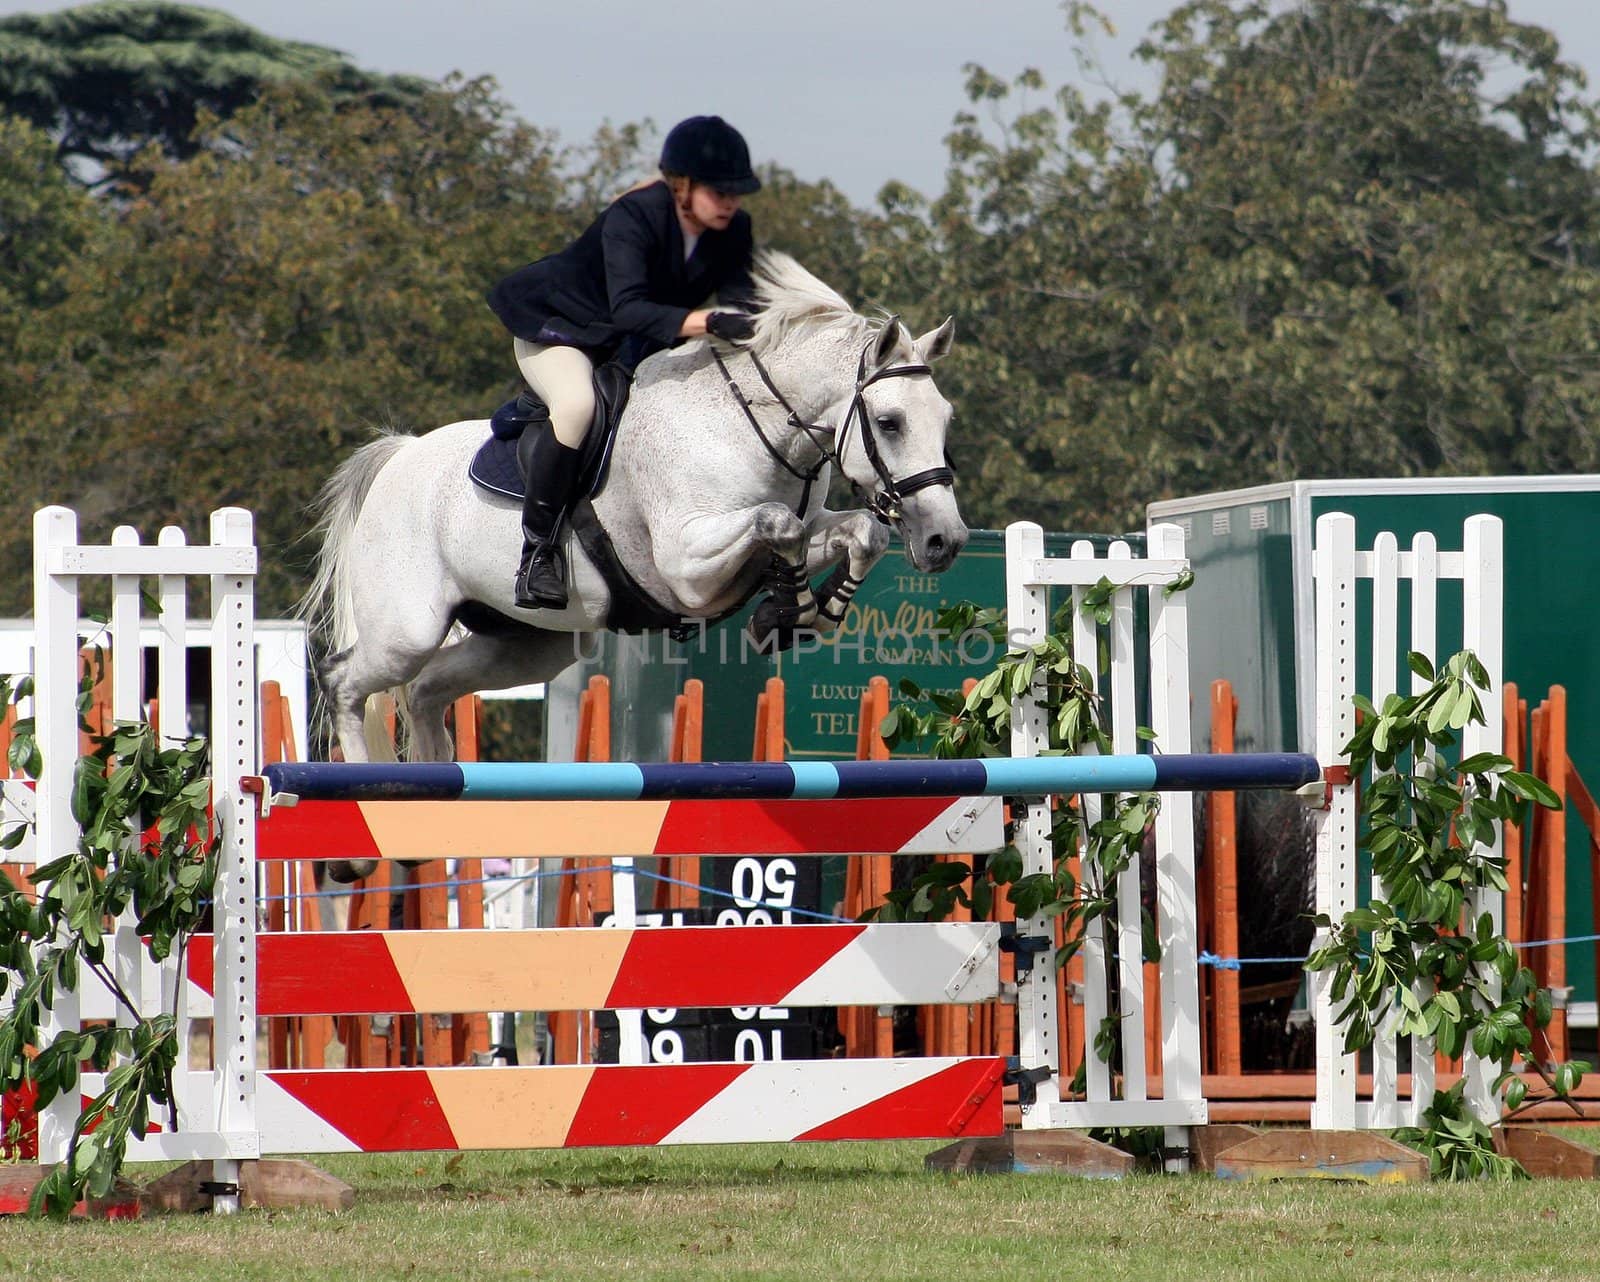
{"x":731,"y":327}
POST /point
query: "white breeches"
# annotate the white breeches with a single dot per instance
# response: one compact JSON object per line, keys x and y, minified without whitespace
{"x":563,"y":378}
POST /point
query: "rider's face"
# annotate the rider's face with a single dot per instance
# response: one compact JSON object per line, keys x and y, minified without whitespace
{"x":710,"y":209}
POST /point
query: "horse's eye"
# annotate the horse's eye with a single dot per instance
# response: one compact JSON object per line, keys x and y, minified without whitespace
{"x":891,"y":422}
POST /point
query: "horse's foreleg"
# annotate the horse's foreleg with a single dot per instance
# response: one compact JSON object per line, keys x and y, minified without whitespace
{"x":705,"y":557}
{"x":707,"y":553}
{"x":852,"y":542}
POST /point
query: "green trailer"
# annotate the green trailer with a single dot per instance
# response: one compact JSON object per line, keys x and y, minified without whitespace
{"x":1251,"y":614}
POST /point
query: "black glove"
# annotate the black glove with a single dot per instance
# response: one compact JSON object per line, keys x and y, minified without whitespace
{"x":731,"y":327}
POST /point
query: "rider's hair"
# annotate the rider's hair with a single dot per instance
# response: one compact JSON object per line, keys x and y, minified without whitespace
{"x":682,"y":186}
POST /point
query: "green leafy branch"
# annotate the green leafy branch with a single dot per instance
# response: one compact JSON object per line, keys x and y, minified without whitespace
{"x":979,"y":725}
{"x":145,"y":844}
{"x":1408,"y":963}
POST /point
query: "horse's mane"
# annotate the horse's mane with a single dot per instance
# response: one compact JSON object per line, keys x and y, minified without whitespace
{"x":790,"y":297}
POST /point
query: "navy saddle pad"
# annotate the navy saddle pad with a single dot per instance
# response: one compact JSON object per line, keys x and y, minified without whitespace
{"x":495,"y":468}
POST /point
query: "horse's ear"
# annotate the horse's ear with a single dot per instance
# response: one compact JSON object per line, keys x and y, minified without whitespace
{"x":935,"y":344}
{"x":890,"y":337}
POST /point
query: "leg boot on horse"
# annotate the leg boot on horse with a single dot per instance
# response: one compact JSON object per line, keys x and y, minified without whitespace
{"x":550,"y":470}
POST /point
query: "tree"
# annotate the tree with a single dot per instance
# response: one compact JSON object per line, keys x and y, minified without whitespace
{"x":109,"y":78}
{"x":262,"y":309}
{"x":1322,"y":248}
{"x":48,"y":227}
{"x":813,"y":221}
{"x":44,"y":224}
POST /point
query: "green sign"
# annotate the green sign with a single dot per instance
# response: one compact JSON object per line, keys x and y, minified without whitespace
{"x":891,"y":630}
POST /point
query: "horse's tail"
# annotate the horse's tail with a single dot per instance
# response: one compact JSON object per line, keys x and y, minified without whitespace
{"x":326,"y":606}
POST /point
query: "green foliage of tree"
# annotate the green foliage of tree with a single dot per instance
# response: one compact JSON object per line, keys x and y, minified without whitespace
{"x":260,"y":311}
{"x":1323,"y":247}
{"x":44,"y":221}
{"x":813,"y":221}
{"x":45,"y":225}
{"x":108,"y":79}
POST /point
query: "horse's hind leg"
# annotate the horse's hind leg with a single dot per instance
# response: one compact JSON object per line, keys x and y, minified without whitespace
{"x":479,"y":662}
{"x":388,"y":653}
{"x":352,"y":676}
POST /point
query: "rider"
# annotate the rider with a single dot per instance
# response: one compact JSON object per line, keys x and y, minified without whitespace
{"x":634,"y":282}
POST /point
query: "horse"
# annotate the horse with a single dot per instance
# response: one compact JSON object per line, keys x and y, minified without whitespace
{"x":715,"y":486}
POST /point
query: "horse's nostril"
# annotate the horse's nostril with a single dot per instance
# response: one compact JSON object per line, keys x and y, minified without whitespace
{"x":935,"y":544}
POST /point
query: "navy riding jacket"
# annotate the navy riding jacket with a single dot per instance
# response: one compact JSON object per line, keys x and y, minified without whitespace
{"x":626,"y":277}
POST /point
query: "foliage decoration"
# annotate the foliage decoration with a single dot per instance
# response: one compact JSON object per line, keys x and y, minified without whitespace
{"x":1089,"y":854}
{"x":146,"y":851}
{"x":1409,"y":963}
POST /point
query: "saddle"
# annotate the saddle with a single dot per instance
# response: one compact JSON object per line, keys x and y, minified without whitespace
{"x":495,"y":468}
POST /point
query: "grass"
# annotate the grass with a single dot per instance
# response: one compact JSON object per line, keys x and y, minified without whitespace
{"x":831,"y":1212}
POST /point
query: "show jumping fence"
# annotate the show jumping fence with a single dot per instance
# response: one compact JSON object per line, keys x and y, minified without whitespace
{"x":234,"y":1110}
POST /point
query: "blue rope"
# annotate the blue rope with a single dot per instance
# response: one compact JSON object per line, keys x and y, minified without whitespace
{"x":615,"y":869}
{"x":1233,"y":963}
{"x":1221,"y":963}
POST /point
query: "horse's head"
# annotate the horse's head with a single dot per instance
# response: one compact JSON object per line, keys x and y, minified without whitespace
{"x":893,"y":442}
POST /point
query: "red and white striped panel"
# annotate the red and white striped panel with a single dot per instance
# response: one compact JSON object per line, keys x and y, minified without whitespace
{"x":603,"y":829}
{"x":414,"y":1110}
{"x":400,"y":972}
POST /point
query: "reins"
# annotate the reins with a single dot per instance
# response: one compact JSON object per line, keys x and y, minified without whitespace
{"x":885,"y":504}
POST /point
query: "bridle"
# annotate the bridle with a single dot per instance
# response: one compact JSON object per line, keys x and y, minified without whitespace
{"x":886,"y":503}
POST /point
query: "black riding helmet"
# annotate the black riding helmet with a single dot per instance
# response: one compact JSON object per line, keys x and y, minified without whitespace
{"x":709,"y":150}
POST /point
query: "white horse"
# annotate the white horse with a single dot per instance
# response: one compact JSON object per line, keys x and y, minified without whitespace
{"x":716,"y":484}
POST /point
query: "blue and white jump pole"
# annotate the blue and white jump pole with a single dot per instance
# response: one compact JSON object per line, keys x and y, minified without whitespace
{"x":785,"y":780}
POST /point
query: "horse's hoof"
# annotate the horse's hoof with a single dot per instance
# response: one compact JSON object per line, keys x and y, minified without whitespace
{"x":345,"y":871}
{"x":773,"y":626}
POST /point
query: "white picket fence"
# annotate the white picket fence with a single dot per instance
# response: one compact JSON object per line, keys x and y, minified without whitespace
{"x":1031,"y":576}
{"x":217,"y":1121}
{"x":1347,"y":579}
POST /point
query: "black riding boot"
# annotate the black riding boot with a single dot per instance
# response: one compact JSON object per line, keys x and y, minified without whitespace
{"x":550,"y":468}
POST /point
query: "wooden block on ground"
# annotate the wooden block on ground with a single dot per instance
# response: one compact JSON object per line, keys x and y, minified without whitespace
{"x":1546,"y":1155}
{"x":270,"y":1183}
{"x":1206,"y":1143}
{"x":1361,"y":1156}
{"x":1033,"y":1153}
{"x":17,"y":1184}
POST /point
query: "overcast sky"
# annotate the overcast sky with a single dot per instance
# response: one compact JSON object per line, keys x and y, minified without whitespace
{"x":859,"y":91}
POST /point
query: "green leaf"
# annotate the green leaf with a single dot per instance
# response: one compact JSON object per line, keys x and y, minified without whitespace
{"x":1182,"y":583}
{"x":1531,"y":788}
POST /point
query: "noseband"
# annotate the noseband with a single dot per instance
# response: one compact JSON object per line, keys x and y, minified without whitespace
{"x":886,"y":503}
